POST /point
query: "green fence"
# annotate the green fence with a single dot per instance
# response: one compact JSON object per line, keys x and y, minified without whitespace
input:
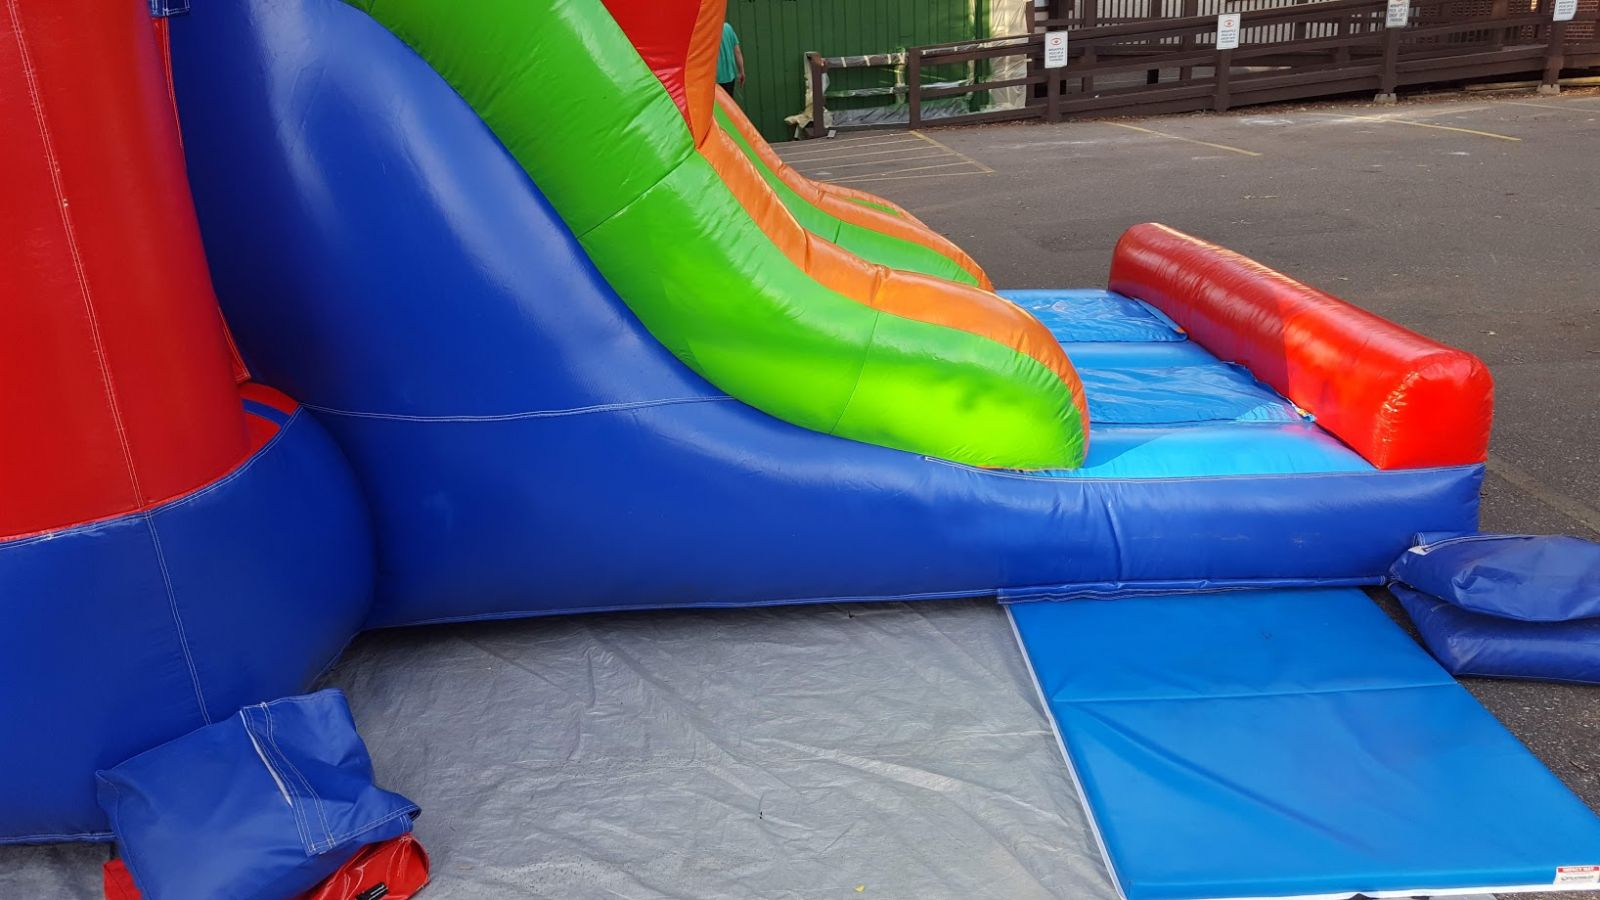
{"x":776,"y":34}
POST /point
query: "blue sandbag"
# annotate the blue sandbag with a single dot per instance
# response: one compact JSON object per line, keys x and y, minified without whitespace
{"x":1469,"y":643}
{"x":1529,"y":578}
{"x":260,"y":806}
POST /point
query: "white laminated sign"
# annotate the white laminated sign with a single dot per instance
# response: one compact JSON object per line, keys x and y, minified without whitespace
{"x":1398,"y":14}
{"x":1565,"y":10}
{"x":1228,"y":31}
{"x":1055,"y":49}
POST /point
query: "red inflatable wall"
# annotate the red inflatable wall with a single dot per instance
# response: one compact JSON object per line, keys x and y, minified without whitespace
{"x":679,"y":40}
{"x":1401,"y":400}
{"x":119,"y":390}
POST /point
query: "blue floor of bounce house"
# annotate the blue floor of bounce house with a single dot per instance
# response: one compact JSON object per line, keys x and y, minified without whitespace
{"x":1161,"y":406}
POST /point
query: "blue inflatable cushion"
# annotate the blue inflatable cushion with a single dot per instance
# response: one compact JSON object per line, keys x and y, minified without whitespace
{"x":264,"y":804}
{"x":1469,"y":643}
{"x":1529,"y":578}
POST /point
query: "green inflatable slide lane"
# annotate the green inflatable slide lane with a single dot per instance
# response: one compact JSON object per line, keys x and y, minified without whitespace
{"x":562,"y":87}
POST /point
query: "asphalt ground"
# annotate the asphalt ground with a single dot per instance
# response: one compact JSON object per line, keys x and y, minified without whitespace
{"x":1471,"y":218}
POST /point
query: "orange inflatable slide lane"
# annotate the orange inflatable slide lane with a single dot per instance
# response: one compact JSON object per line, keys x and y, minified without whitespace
{"x":855,"y":207}
{"x":792,"y":178}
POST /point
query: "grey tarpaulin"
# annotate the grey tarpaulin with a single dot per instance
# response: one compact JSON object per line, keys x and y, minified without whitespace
{"x":771,"y":753}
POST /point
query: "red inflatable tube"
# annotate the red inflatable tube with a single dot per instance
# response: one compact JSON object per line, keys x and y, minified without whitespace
{"x":1401,"y":400}
{"x":395,"y":869}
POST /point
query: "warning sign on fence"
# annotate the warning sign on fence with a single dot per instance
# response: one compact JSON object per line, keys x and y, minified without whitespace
{"x":1228,"y":31}
{"x":1565,"y":10}
{"x":1055,"y":49}
{"x":1399,"y":14}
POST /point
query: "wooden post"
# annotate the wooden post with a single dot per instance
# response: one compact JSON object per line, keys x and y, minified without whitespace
{"x":1390,"y":78}
{"x":1052,"y":94}
{"x":1089,"y":17}
{"x":1219,"y":100}
{"x":1554,"y":59}
{"x":1191,"y":8}
{"x":1036,"y":18}
{"x":1342,"y":53}
{"x":818,"y":108}
{"x":914,"y":85}
{"x":1157,"y":13}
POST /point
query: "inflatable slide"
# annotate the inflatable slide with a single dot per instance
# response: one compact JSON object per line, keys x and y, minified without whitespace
{"x":582,"y":356}
{"x":564,"y":335}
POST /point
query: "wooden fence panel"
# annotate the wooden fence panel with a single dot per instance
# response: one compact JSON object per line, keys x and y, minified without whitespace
{"x":1125,"y":60}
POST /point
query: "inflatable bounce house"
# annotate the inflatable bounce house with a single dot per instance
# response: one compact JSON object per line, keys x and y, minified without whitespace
{"x":519,"y":316}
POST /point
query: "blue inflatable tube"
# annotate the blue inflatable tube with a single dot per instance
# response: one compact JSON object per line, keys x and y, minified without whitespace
{"x":239,"y":592}
{"x":527,"y":447}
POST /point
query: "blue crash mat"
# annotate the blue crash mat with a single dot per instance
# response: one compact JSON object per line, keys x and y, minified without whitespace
{"x":1289,"y":744}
